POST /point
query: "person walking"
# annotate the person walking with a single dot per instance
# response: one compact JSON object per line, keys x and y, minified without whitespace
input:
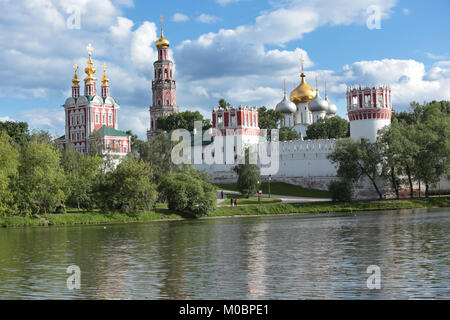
{"x":231,"y":202}
{"x":221,"y":194}
{"x":235,"y":202}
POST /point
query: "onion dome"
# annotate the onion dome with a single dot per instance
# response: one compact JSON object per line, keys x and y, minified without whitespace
{"x":304,"y":93}
{"x":105,"y":80}
{"x":75,"y":79}
{"x":90,"y":69}
{"x":162,"y":42}
{"x":318,"y":104}
{"x":332,"y":108}
{"x":286,"y":106}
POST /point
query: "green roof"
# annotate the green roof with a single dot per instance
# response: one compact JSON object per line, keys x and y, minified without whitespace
{"x":108,"y":131}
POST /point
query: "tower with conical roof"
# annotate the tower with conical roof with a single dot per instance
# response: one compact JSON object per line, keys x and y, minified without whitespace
{"x":163,"y":85}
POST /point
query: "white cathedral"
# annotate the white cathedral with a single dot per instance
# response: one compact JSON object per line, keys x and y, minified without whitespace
{"x":305,"y":106}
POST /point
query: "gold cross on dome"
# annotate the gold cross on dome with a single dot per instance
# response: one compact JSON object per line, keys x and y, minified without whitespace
{"x":302,"y":61}
{"x":75,"y":67}
{"x":104,"y":67}
{"x":89,"y":49}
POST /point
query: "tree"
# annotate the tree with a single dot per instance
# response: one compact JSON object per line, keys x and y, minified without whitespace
{"x":157,"y":153}
{"x":82,"y":172}
{"x":269,"y":118}
{"x":136,"y":143}
{"x":341,"y":191}
{"x":356,"y":160}
{"x":182,"y":120}
{"x":41,"y":179}
{"x":391,"y":145}
{"x":432,"y":160}
{"x":188,"y":191}
{"x":128,"y":188}
{"x":288,"y":134}
{"x":96,"y":144}
{"x":9,"y":163}
{"x":248,"y":176}
{"x":328,"y":128}
{"x":18,"y":131}
{"x":223,"y":104}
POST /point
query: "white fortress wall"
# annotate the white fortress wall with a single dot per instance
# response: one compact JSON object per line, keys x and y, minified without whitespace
{"x":302,"y":163}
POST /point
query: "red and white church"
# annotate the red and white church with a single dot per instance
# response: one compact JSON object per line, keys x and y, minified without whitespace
{"x":89,"y":113}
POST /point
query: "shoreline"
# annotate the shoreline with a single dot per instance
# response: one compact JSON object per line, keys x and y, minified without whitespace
{"x":277,"y":209}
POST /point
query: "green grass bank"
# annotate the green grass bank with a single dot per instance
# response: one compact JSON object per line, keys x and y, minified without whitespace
{"x":163,"y":214}
{"x":282,"y":189}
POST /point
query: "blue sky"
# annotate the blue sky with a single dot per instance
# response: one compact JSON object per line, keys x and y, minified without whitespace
{"x":240,"y":50}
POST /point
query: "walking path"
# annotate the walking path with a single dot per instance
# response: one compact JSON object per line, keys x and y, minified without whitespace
{"x":284,"y":199}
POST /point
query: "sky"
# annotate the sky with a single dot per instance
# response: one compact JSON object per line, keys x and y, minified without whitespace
{"x":239,"y":50}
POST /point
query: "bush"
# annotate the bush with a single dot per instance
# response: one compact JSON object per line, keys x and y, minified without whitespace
{"x":341,"y":191}
{"x":188,"y":191}
{"x":128,"y":188}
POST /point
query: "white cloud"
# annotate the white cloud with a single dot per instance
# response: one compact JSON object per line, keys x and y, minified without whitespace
{"x":206,"y":18}
{"x":435,"y":56}
{"x":124,"y":3}
{"x":225,"y":2}
{"x":136,"y":119}
{"x":406,"y":11}
{"x":408,"y":79}
{"x":179,"y":17}
{"x":48,"y":119}
{"x":123,"y":28}
{"x":234,"y":64}
{"x":6,"y":119}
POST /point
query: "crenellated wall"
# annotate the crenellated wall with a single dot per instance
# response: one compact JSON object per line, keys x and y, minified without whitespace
{"x":300,"y":162}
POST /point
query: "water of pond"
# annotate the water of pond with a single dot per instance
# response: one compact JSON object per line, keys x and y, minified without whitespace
{"x":291,"y":257}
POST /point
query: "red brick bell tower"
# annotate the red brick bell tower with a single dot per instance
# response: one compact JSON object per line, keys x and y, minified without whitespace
{"x":163,"y":85}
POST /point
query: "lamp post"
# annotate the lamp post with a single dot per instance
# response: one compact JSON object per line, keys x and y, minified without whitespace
{"x":270,"y":179}
{"x":259,"y":195}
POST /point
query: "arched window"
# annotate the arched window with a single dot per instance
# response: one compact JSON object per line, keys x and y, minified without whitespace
{"x":97,"y":117}
{"x":110,"y":118}
{"x":125,"y":146}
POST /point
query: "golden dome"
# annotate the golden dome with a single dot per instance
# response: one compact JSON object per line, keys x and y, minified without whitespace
{"x":162,"y":42}
{"x":90,"y":69}
{"x":105,"y":80}
{"x":304,"y":93}
{"x":75,"y":79}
